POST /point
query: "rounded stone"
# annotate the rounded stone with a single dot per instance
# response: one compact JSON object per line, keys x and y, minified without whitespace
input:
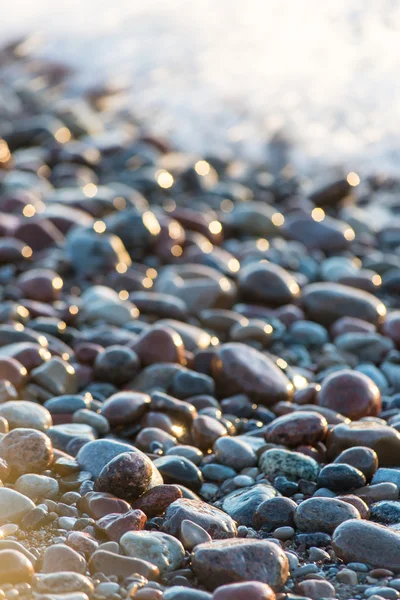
{"x":13,"y":505}
{"x":94,"y":455}
{"x":22,"y":413}
{"x":124,"y":408}
{"x":179,"y":470}
{"x":238,"y":369}
{"x":362,"y":458}
{"x":15,"y":567}
{"x":340,"y":478}
{"x":291,"y":464}
{"x":37,"y":486}
{"x":64,"y":582}
{"x":369,"y":543}
{"x":230,"y":561}
{"x":155,"y":501}
{"x":217,"y":523}
{"x":60,"y":557}
{"x":323,"y":514}
{"x":256,"y":590}
{"x":206,"y":430}
{"x":127,"y":476}
{"x":294,"y":429}
{"x":13,"y":371}
{"x":117,"y":364}
{"x":275,"y":512}
{"x":381,"y":438}
{"x":316,"y":589}
{"x":325,"y":303}
{"x":350,"y":393}
{"x":267,"y":283}
{"x":234,"y":453}
{"x":26,"y":450}
{"x":241,"y":504}
{"x":161,"y":549}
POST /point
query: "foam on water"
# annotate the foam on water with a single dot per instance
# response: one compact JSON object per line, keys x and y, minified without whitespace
{"x":217,"y":74}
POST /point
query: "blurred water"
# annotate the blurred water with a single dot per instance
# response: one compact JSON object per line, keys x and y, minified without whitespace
{"x":226,"y":74}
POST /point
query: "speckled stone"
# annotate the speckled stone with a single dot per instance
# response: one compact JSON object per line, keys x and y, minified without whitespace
{"x":292,"y":464}
{"x":26,"y":450}
{"x":127,"y":476}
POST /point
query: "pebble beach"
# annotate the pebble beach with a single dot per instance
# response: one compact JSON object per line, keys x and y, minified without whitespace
{"x":199,"y":361}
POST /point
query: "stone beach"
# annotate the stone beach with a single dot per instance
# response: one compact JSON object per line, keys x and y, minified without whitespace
{"x":199,"y":364}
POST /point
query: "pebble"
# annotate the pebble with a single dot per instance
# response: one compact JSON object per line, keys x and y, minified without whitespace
{"x":178,"y":469}
{"x":381,"y":438}
{"x":15,"y":567}
{"x":362,"y":458}
{"x":360,"y":541}
{"x":127,"y":476}
{"x":216,"y":523}
{"x":316,"y":589}
{"x":242,"y":591}
{"x":273,"y":513}
{"x":340,"y":477}
{"x":62,"y":558}
{"x":64,"y":582}
{"x":295,"y":429}
{"x":237,"y":369}
{"x":192,"y":534}
{"x":241,"y":504}
{"x":352,"y":394}
{"x":13,"y":505}
{"x":22,"y":413}
{"x":323,"y":514}
{"x":293,"y":464}
{"x":110,"y":563}
{"x":227,"y":561}
{"x":26,"y":450}
{"x":161,"y":549}
{"x":37,"y":486}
